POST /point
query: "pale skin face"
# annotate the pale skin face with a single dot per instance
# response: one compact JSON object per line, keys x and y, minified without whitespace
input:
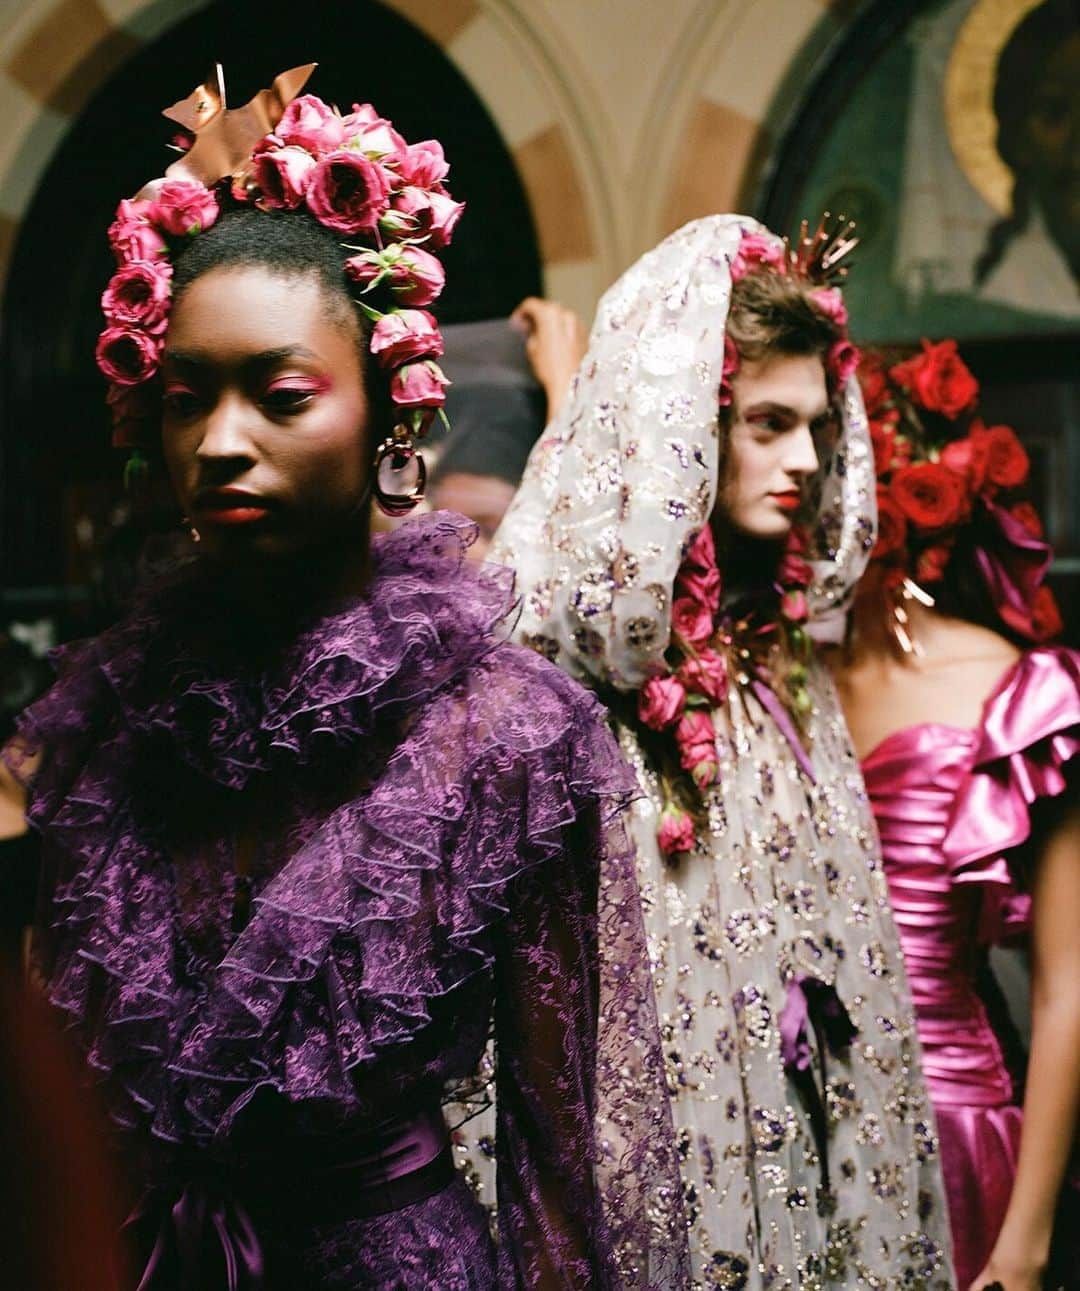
{"x":264,"y":420}
{"x":779,"y":405}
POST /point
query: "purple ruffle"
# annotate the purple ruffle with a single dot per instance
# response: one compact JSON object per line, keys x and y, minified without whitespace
{"x":392,"y":899}
{"x":1030,"y":731}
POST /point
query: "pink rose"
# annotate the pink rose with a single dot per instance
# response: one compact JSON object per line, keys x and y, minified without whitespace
{"x":138,"y":295}
{"x":696,"y":738}
{"x":794,"y":606}
{"x":829,"y":301}
{"x":127,"y":356}
{"x":132,"y":236}
{"x":660,"y":702}
{"x":756,"y":250}
{"x":705,"y":675}
{"x":310,"y":123}
{"x":691,"y":620}
{"x":843,"y":361}
{"x":416,"y":277}
{"x":419,"y":385}
{"x":404,"y":335}
{"x":676,"y":831}
{"x":374,"y":136}
{"x":424,"y":164}
{"x":698,"y":576}
{"x":348,"y":193}
{"x":793,"y":570}
{"x":422,"y":215}
{"x":182,"y":207}
{"x":701,"y":554}
{"x":283,"y":176}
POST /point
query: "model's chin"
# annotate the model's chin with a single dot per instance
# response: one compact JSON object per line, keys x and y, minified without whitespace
{"x":765,"y":525}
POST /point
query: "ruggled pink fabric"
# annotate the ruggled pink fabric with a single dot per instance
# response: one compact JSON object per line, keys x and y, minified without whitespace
{"x":952,"y":807}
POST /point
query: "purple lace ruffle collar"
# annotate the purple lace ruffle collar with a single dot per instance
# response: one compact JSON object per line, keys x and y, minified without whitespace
{"x":180,"y":673}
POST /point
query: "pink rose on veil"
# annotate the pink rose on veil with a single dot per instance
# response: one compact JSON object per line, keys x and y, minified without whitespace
{"x":830,"y":302}
{"x":676,"y":831}
{"x":691,"y":620}
{"x":705,"y":675}
{"x":696,"y":738}
{"x":756,"y":250}
{"x":660,"y":702}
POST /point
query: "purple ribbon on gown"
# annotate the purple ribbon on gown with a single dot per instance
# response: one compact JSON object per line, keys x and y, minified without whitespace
{"x":812,"y":1003}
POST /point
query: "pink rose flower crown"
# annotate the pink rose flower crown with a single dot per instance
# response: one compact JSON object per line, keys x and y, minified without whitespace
{"x":385,"y":199}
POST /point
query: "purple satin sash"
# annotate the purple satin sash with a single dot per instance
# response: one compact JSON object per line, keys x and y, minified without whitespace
{"x":206,"y":1236}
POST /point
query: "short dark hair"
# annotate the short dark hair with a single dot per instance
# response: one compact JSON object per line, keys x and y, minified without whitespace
{"x":773,"y":313}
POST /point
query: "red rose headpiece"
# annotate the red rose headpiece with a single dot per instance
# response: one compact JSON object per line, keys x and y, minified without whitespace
{"x":352,"y":172}
{"x":941,"y":472}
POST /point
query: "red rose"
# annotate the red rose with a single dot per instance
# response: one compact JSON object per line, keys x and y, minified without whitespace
{"x":1028,"y":517}
{"x":138,"y":295}
{"x":416,"y":277}
{"x":938,"y":379}
{"x":1007,"y":462}
{"x":967,"y":457}
{"x":930,"y":566}
{"x":696,"y":738}
{"x":875,"y":385}
{"x":830,"y":302}
{"x":1045,"y":616}
{"x":132,"y":407}
{"x":349,"y":193}
{"x":283,"y":176}
{"x":883,"y":439}
{"x":794,"y":606}
{"x":793,"y":571}
{"x":691,"y":620}
{"x":661,"y":701}
{"x":929,"y":494}
{"x":127,"y":356}
{"x":892,"y":526}
{"x":404,"y":335}
{"x":182,"y":207}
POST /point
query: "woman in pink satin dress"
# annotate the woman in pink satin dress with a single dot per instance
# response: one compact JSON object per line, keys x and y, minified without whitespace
{"x":968,"y":745}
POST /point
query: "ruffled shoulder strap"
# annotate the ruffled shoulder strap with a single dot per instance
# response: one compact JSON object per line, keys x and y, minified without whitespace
{"x":1029,"y":731}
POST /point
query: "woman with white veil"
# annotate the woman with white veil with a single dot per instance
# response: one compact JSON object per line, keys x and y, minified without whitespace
{"x":658,"y":558}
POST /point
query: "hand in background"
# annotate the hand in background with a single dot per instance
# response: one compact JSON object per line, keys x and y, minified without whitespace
{"x":555,"y":344}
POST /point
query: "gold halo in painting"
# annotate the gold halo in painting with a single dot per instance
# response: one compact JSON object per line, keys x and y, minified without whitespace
{"x":969,"y":96}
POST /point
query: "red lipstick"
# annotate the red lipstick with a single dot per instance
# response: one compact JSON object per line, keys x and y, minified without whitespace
{"x":231,"y":507}
{"x":790,"y":501}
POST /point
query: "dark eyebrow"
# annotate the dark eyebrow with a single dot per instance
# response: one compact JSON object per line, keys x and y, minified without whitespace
{"x":264,"y":359}
{"x":768,"y":408}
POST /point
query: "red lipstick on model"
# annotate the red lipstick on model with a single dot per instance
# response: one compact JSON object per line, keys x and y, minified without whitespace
{"x":789,"y":501}
{"x":231,"y":507}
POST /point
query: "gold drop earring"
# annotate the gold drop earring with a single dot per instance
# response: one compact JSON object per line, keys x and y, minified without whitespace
{"x":900,"y":620}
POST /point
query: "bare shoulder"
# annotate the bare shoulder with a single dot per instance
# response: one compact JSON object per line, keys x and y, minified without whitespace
{"x":12,"y":803}
{"x":980,"y":653}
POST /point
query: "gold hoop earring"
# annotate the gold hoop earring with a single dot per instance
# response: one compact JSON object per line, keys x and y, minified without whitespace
{"x":400,"y":475}
{"x":900,"y":620}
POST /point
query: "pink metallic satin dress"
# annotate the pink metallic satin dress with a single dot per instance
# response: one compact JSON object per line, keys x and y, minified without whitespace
{"x":952,"y":809}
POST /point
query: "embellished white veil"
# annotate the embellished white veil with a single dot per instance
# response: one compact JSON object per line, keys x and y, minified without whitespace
{"x":626,"y":474}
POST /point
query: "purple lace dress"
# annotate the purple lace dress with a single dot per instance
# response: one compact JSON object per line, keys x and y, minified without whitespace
{"x":291,"y":884}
